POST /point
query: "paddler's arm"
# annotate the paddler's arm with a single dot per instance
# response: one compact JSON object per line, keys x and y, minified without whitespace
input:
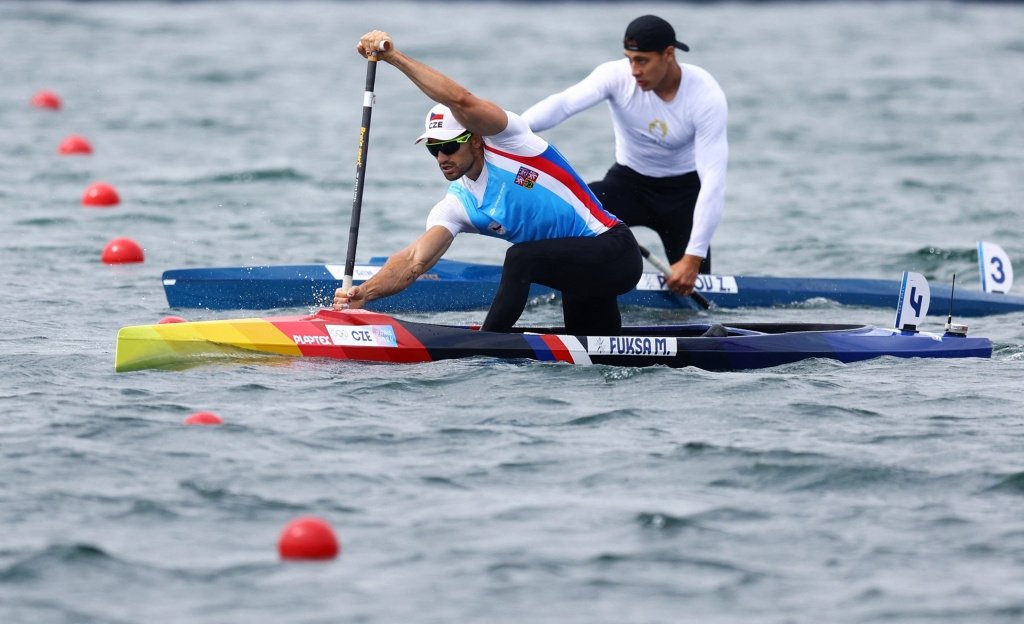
{"x":711,"y":152}
{"x":684,"y":274}
{"x":556,"y":108}
{"x":477,"y":115}
{"x":401,"y":269}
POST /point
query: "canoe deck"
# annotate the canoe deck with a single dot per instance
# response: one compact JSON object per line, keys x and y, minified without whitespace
{"x":452,"y":285}
{"x":363,"y":335}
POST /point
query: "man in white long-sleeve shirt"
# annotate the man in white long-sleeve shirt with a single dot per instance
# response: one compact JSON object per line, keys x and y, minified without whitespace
{"x":671,"y":149}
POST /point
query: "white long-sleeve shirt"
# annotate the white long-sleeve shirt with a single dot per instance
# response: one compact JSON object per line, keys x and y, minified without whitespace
{"x":654,"y":137}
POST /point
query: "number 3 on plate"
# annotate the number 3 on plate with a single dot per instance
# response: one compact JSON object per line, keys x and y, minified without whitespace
{"x":996,"y":269}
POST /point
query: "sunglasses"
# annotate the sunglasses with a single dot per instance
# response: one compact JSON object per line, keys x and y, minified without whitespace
{"x":448,"y":147}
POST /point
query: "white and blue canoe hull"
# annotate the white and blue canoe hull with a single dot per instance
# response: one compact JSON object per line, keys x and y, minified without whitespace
{"x":452,"y":285}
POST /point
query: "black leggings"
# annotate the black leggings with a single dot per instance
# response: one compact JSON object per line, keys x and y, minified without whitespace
{"x":591,"y":272}
{"x":663,"y":204}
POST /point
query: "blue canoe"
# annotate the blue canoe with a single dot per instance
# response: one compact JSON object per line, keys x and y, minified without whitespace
{"x":453,"y":285}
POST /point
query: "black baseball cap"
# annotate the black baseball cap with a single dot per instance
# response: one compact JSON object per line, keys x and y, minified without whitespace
{"x":650,"y":33}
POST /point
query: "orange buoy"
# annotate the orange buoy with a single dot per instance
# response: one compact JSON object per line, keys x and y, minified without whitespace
{"x":122,"y":251}
{"x":308,"y":537}
{"x":203,"y":418}
{"x":74,"y":144}
{"x":100,"y":194}
{"x":171,"y":319}
{"x":46,"y":99}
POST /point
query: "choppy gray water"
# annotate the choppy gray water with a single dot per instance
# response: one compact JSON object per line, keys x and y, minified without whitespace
{"x":866,"y":139}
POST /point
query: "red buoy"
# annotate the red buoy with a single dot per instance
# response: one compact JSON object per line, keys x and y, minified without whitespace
{"x":308,"y":537}
{"x":46,"y":99}
{"x":74,"y":144}
{"x":203,"y":418}
{"x":171,"y":319}
{"x":100,"y":194}
{"x":122,"y":251}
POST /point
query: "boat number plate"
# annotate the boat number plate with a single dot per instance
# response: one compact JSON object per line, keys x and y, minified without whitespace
{"x":362,"y":335}
{"x":360,"y":272}
{"x":631,"y":345}
{"x":705,"y":283}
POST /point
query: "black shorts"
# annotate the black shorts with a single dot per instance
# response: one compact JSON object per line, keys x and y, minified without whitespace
{"x":663,"y":204}
{"x":591,"y":272}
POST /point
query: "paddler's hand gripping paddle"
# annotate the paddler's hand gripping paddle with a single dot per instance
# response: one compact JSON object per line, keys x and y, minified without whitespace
{"x":667,"y":270}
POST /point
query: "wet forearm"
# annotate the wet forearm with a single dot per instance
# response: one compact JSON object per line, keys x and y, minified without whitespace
{"x":395,"y":276}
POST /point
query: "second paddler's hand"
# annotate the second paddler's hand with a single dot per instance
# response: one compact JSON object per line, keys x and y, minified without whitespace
{"x":376,"y":42}
{"x":351,"y":299}
{"x":684,"y":275}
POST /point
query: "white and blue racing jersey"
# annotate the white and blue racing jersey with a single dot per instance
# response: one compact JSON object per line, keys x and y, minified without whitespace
{"x":526,"y":191}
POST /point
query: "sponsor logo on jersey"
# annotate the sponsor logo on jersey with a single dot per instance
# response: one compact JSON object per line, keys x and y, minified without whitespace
{"x":658,"y":124}
{"x":497,"y":228}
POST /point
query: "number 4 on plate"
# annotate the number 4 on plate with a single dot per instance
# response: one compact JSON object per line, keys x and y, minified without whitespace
{"x":915,"y":296}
